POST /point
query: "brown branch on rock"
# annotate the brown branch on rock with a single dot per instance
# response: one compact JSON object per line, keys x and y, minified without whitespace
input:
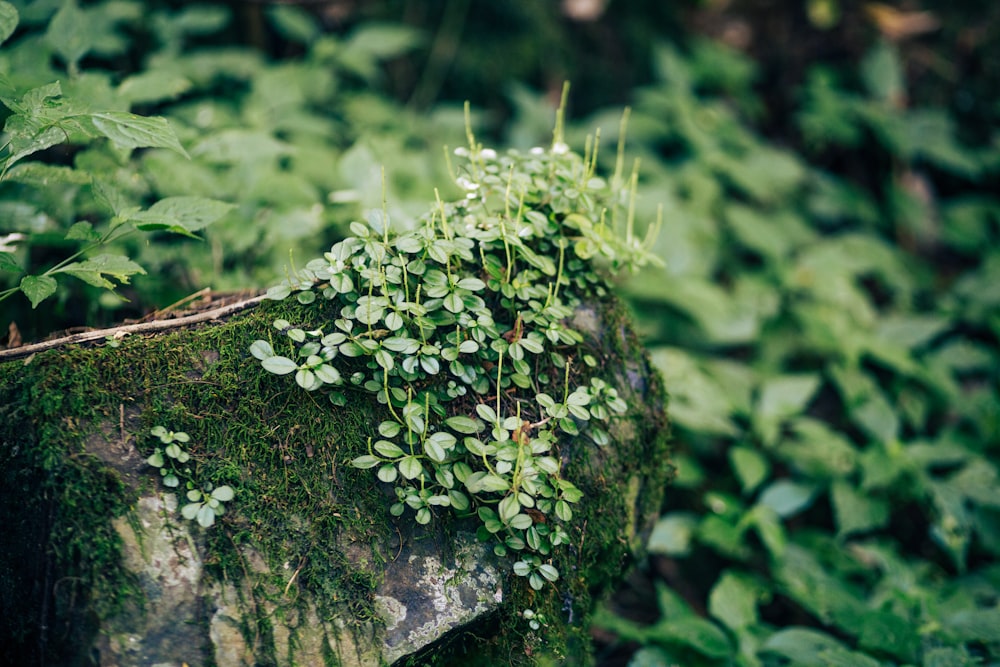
{"x":127,"y":329}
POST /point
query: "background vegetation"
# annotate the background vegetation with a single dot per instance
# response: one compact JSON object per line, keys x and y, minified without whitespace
{"x":827,"y":320}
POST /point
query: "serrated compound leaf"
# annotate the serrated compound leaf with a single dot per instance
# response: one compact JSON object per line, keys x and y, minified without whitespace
{"x":93,"y":271}
{"x":38,"y":288}
{"x":128,"y":130}
{"x":184,"y":215}
{"x":279,"y":365}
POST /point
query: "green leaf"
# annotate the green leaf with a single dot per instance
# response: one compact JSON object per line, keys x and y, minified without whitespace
{"x":94,"y":270}
{"x":223,"y":493}
{"x":787,"y":498}
{"x":8,"y":20}
{"x":206,"y":516}
{"x":294,"y":23}
{"x":279,"y":365}
{"x":811,"y":648}
{"x":366,"y":461}
{"x":701,"y":635}
{"x":153,"y":86}
{"x":388,"y":449}
{"x":410,"y":467}
{"x":733,"y":601}
{"x":190,"y":511}
{"x":673,"y":533}
{"x":127,"y":131}
{"x":751,"y":467}
{"x":67,"y":33}
{"x":781,"y":397}
{"x":463,"y":424}
{"x":182,"y":215}
{"x":855,"y":511}
{"x":38,"y":288}
{"x":82,"y":231}
{"x":261,"y":349}
{"x":883,"y":73}
{"x":8,"y":263}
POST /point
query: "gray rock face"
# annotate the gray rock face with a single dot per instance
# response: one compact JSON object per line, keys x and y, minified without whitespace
{"x":427,"y":591}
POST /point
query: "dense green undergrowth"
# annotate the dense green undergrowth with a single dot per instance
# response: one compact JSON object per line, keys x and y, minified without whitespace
{"x":826,"y":321}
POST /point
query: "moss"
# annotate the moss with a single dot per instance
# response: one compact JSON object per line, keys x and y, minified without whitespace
{"x":272,"y":443}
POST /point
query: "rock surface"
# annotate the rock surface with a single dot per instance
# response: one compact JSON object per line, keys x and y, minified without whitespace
{"x":120,"y":578}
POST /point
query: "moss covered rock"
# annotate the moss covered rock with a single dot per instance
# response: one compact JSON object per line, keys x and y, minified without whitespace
{"x":306,"y":566}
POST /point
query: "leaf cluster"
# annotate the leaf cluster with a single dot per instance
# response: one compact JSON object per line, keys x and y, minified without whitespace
{"x":204,"y":502}
{"x":460,"y":328}
{"x":834,"y":385}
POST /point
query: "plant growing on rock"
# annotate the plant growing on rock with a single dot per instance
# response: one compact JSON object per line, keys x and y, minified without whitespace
{"x":461,"y":327}
{"x":205,"y":502}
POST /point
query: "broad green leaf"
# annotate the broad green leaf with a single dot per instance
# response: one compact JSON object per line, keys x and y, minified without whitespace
{"x":181,"y":214}
{"x":67,"y":34}
{"x":279,"y":365}
{"x":782,"y":397}
{"x":153,"y":86}
{"x":261,"y":349}
{"x":977,"y":625}
{"x":8,"y":20}
{"x":463,"y":424}
{"x":787,"y":498}
{"x":38,"y":288}
{"x":410,"y":467}
{"x":751,"y":467}
{"x":733,"y":600}
{"x":366,"y":461}
{"x":855,"y":511}
{"x":805,"y":647}
{"x":673,"y":533}
{"x":701,"y":635}
{"x":8,"y":263}
{"x":82,"y":231}
{"x":127,"y":131}
{"x":883,"y":73}
{"x":388,"y":449}
{"x":294,"y":23}
{"x":223,"y":493}
{"x":892,"y":633}
{"x":93,"y":271}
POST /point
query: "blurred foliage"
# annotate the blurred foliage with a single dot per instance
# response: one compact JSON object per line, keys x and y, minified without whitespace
{"x":828,"y":321}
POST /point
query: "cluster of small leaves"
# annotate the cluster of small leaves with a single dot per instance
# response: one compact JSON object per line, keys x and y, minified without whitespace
{"x":458,"y":326}
{"x":204,"y":502}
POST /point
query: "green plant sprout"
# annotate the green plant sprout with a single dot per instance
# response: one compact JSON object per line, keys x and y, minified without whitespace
{"x":460,"y":327}
{"x":205,"y":503}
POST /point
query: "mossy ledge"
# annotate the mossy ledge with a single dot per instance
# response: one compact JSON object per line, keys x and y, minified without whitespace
{"x":294,"y":568}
